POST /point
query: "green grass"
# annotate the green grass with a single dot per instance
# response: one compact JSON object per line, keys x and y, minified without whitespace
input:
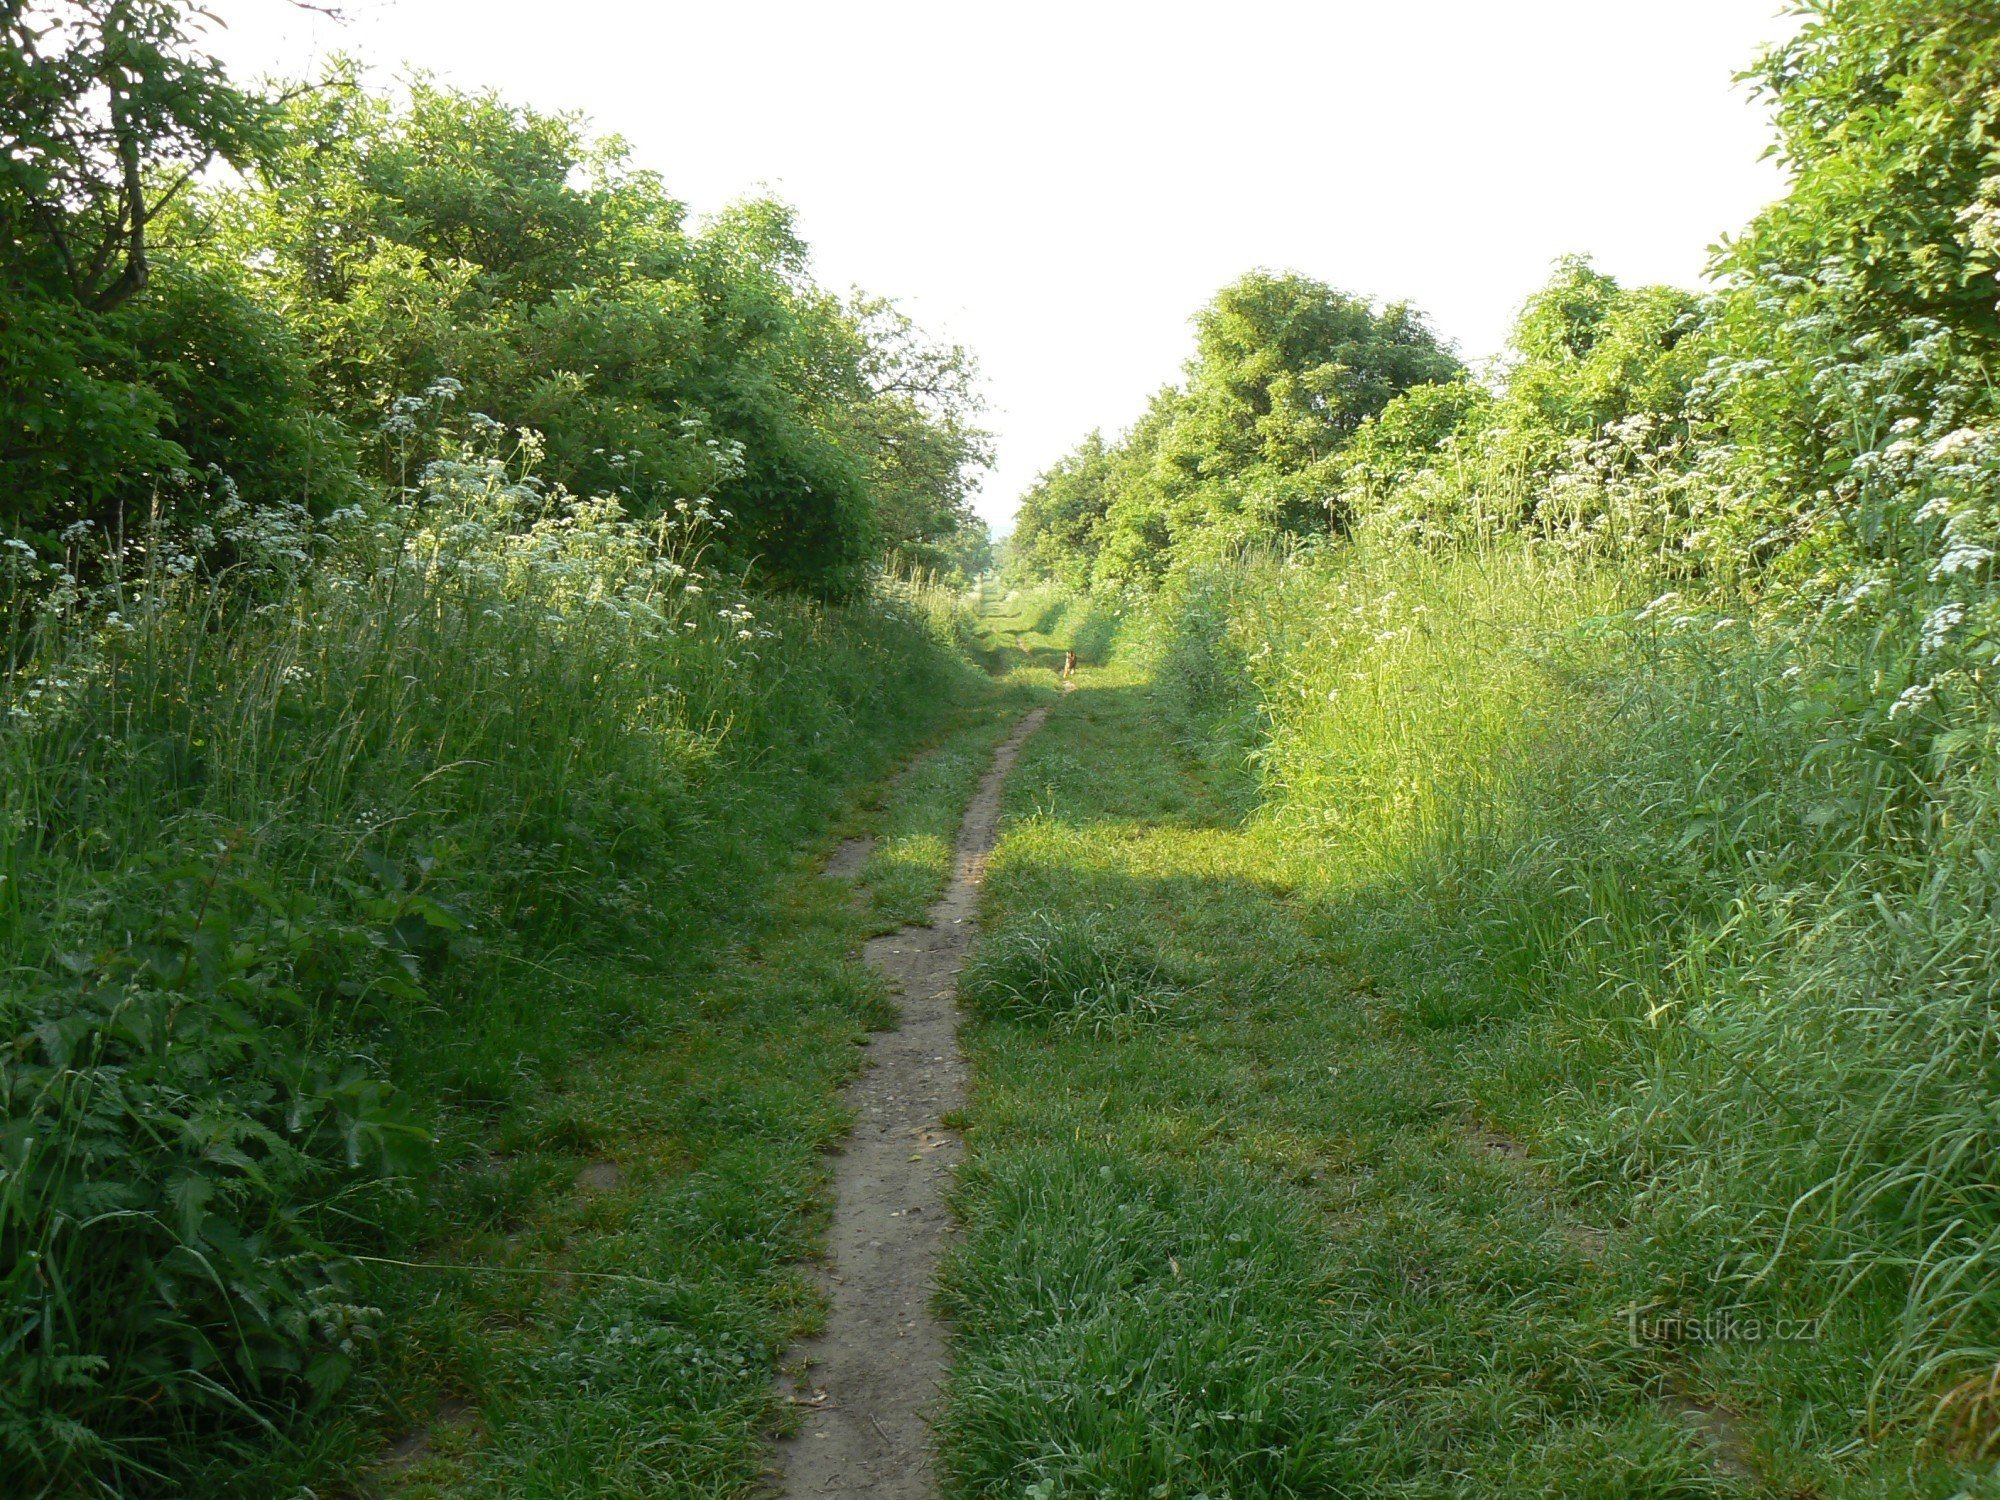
{"x":1364,"y":1204}
{"x":1689,"y":917}
{"x":345,"y":932}
{"x":1031,"y":628}
{"x":1248,"y":1247}
{"x":912,"y":856}
{"x":1396,"y":971}
{"x":717,"y":1111}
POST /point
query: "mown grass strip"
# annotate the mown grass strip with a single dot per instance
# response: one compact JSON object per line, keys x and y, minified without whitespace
{"x":911,"y":859}
{"x":717,"y":1113}
{"x":1248,"y":1242}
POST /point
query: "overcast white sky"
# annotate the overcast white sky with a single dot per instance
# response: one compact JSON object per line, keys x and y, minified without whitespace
{"x":1059,"y":186}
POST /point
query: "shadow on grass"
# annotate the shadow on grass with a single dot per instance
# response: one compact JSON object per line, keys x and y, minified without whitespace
{"x":1203,"y":1239}
{"x":1093,"y":774}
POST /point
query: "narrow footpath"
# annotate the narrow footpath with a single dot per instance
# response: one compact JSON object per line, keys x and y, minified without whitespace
{"x":871,"y":1380}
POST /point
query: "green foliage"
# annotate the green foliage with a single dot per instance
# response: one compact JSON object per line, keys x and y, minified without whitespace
{"x":1888,"y":125}
{"x":1587,"y":353}
{"x":1286,"y":371}
{"x":321,"y":728}
{"x":1686,"y":909}
{"x":1257,"y":1252}
{"x":456,"y":235}
{"x":1058,"y":528}
{"x":171,"y":1135}
{"x":1136,"y":537}
{"x":266,"y":872}
{"x":157,"y":330}
{"x":1641,"y":735}
{"x":1860,"y":308}
{"x":109,"y":112}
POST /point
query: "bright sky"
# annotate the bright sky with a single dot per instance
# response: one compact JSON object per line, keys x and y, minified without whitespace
{"x":1060,"y":186}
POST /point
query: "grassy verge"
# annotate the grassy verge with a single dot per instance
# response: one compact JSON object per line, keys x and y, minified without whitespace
{"x":1569,"y":1006}
{"x":1686,"y":908}
{"x":636,"y":1228}
{"x":690,"y":1159}
{"x":589,"y":1293}
{"x":421,"y":1028}
{"x":1230,"y":1232}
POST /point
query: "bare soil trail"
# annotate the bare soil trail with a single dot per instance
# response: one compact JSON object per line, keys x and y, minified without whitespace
{"x":872,"y":1378}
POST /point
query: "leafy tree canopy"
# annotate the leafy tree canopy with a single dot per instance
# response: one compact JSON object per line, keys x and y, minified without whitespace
{"x":1285,"y":372}
{"x":165,"y":342}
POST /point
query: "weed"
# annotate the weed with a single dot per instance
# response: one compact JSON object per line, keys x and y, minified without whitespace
{"x":1073,"y":970}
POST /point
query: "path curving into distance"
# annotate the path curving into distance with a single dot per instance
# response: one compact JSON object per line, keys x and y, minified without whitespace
{"x":872,"y":1378}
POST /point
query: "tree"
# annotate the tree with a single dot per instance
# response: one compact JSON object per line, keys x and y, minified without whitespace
{"x":109,"y":114}
{"x":1285,"y":371}
{"x":920,"y":421}
{"x":109,"y":111}
{"x":455,"y":234}
{"x":1585,"y":352}
{"x":1058,"y":530}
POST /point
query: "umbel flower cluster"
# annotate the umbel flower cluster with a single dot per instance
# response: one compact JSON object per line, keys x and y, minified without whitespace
{"x":277,"y":788}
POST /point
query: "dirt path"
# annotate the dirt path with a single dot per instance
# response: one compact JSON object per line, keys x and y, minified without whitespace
{"x":873,"y":1375}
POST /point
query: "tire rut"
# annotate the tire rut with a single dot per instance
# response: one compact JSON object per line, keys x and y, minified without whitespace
{"x":872,"y":1377}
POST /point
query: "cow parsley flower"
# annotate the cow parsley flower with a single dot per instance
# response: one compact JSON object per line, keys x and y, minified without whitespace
{"x":1963,"y":557}
{"x":1952,"y":442}
{"x":1940,"y":623}
{"x":1912,"y":699}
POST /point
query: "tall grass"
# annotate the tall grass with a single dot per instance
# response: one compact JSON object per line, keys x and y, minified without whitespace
{"x":1687,"y":901}
{"x":300,"y":825}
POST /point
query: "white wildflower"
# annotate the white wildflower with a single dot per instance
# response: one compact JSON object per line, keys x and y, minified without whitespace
{"x":1912,"y":699}
{"x":1964,"y":557}
{"x":1953,"y":441}
{"x":1940,"y":623}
